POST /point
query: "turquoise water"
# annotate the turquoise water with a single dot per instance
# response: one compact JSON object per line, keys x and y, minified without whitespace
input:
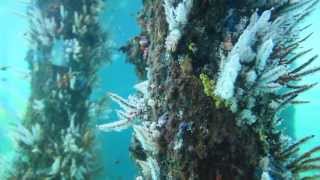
{"x":14,"y":89}
{"x":119,"y":77}
{"x":307,"y":115}
{"x":120,"y":20}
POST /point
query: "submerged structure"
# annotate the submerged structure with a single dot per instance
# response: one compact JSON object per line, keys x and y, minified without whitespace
{"x":56,"y":138}
{"x":216,"y":74}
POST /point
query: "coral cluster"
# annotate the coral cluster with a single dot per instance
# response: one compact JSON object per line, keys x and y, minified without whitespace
{"x":263,"y":66}
{"x":56,"y":138}
{"x":177,"y":18}
{"x":218,"y":75}
{"x":134,"y":110}
{"x":134,"y":114}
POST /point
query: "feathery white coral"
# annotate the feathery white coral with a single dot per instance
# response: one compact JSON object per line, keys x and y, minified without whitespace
{"x":42,"y":28}
{"x":145,"y":169}
{"x":266,"y":82}
{"x":154,"y":168}
{"x":26,"y":136}
{"x":127,"y":117}
{"x":177,"y":18}
{"x":55,"y":167}
{"x":133,"y":110}
{"x":266,"y":176}
{"x":173,"y":39}
{"x":146,"y":137}
{"x":124,"y":122}
{"x":259,"y":60}
{"x":70,"y":138}
{"x":77,"y":172}
{"x":247,"y":116}
{"x":227,"y":77}
{"x":263,"y":55}
{"x":150,"y":168}
{"x":126,"y":105}
{"x":38,"y":105}
{"x":230,"y":68}
{"x":143,"y":88}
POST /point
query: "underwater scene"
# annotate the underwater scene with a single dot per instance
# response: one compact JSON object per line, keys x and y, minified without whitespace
{"x":159,"y":90}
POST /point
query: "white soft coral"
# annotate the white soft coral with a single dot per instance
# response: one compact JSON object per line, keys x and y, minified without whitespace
{"x":132,"y":111}
{"x":177,"y":18}
{"x":231,"y":67}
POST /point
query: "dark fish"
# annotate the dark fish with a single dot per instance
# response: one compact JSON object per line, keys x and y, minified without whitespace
{"x":4,"y":68}
{"x":117,"y":162}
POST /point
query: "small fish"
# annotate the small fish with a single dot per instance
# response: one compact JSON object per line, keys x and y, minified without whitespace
{"x":117,"y":161}
{"x":4,"y":68}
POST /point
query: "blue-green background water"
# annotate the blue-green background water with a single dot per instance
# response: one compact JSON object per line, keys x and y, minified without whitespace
{"x":119,"y":77}
{"x":120,"y":21}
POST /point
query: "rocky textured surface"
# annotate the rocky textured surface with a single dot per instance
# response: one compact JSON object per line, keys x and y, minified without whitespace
{"x":207,"y":135}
